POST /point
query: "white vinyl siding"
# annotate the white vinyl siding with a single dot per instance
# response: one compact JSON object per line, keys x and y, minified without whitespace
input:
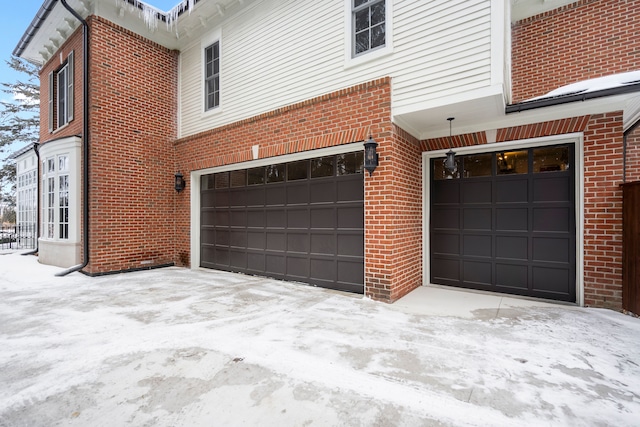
{"x":279,"y":53}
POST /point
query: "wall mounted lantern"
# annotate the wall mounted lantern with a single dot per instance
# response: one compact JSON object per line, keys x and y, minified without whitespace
{"x":370,"y":155}
{"x":450,"y":161}
{"x":179,"y":183}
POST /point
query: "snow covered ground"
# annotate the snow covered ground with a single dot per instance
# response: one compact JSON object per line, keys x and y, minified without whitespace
{"x":175,"y":347}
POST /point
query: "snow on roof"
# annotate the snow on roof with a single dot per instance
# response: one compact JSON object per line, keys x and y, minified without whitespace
{"x":594,"y":85}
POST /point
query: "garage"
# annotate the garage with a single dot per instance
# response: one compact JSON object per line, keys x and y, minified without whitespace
{"x":504,"y":221}
{"x":300,"y":221}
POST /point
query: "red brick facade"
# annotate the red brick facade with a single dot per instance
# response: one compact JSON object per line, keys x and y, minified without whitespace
{"x":580,"y":41}
{"x":133,"y":114}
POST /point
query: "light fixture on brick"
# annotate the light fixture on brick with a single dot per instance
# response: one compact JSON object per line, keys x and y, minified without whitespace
{"x":450,"y":161}
{"x":370,"y":155}
{"x":179,"y":182}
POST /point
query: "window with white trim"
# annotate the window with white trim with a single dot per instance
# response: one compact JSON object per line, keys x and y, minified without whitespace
{"x":368,"y":26}
{"x":212,"y":76}
{"x":61,"y":95}
{"x":55,"y":197}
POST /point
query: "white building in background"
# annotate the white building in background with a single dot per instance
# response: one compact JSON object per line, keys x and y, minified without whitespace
{"x":26,"y":197}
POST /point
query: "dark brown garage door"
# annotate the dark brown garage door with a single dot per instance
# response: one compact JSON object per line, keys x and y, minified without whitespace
{"x":300,"y":221}
{"x":505,"y":222}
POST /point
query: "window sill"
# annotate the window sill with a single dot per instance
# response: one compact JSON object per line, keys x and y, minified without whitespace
{"x":212,"y":112}
{"x":367,"y":57}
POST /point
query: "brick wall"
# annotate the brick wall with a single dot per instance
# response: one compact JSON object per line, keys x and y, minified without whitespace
{"x":633,"y":155}
{"x":133,"y":86}
{"x":73,"y":44}
{"x":602,"y":194}
{"x":583,"y":40}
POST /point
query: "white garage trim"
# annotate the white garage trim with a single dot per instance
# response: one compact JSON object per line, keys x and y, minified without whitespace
{"x":573,"y":138}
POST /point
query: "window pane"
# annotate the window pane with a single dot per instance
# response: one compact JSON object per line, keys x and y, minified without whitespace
{"x":512,"y":162}
{"x":377,"y":14}
{"x":478,"y":165}
{"x":222,"y":180}
{"x":255,"y":176}
{"x":357,"y":3}
{"x":362,"y":41}
{"x":377,"y":36}
{"x":550,"y":159}
{"x":297,"y":170}
{"x":362,"y":20}
{"x":239,"y":178}
{"x":207,"y":182}
{"x":322,"y":166}
{"x":275,"y":173}
{"x":350,"y":163}
{"x":439,"y":172}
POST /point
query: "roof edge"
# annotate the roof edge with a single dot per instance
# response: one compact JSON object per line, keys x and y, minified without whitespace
{"x":35,"y":25}
{"x":565,"y":99}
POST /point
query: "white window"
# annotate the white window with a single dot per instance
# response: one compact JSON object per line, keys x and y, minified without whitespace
{"x":212,"y":76}
{"x":61,"y":95}
{"x":55,"y":197}
{"x":27,"y":204}
{"x":369,"y":25}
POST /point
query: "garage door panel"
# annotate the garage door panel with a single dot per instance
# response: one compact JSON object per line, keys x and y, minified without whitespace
{"x":298,"y":193}
{"x":221,"y":256}
{"x":222,"y":218}
{"x":322,"y":191}
{"x":350,"y":188}
{"x":350,"y":271}
{"x":511,"y":190}
{"x":512,"y":247}
{"x":477,"y":272}
{"x":298,"y":218}
{"x":477,"y":245}
{"x":277,"y":218}
{"x":323,"y":217}
{"x":256,"y":240}
{"x":255,"y":262}
{"x":514,"y":276}
{"x":298,"y":242}
{"x":275,"y":194}
{"x":256,"y":218}
{"x":255,"y":195}
{"x":445,"y":269}
{"x":350,"y":244}
{"x":297,"y":266}
{"x":551,"y":280}
{"x":238,"y":259}
{"x":276,"y":241}
{"x":222,"y":237}
{"x":477,"y":192}
{"x":238,"y":197}
{"x":323,"y":269}
{"x":237,"y":218}
{"x":446,"y":192}
{"x":551,"y":219}
{"x":512,"y":219}
{"x":323,"y":243}
{"x":350,"y":216}
{"x":238,"y":238}
{"x":275,"y":264}
{"x":552,"y":189}
{"x":477,"y":219}
{"x":445,"y":243}
{"x":445,"y":218}
{"x":551,"y":249}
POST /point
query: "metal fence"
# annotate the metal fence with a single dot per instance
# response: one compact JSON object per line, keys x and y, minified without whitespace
{"x":18,"y":237}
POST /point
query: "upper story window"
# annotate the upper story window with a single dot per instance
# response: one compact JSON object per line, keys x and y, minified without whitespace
{"x":61,"y":95}
{"x":212,"y":76}
{"x":369,"y":25}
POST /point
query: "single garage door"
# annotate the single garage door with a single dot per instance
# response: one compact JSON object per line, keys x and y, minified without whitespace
{"x":301,"y":221}
{"x":505,"y":222}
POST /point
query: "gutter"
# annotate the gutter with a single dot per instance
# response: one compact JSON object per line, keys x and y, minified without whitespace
{"x":36,"y":149}
{"x":85,"y":139}
{"x":565,"y":99}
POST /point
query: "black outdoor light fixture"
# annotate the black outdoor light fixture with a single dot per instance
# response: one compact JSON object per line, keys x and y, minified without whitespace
{"x":450,"y":161}
{"x":370,"y":155}
{"x":179,"y":184}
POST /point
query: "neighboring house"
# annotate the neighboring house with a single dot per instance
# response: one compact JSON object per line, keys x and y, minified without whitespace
{"x":26,"y":197}
{"x":264,"y":105}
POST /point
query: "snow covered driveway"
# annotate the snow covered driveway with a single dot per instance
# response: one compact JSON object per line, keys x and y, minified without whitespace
{"x":175,"y":347}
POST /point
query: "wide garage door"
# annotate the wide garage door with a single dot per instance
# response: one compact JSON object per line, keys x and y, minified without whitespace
{"x":505,"y":222}
{"x":301,"y":221}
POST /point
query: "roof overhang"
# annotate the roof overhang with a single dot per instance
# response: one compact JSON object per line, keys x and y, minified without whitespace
{"x":189,"y":19}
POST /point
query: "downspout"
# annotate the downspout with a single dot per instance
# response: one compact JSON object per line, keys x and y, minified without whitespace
{"x":85,"y":141}
{"x":624,"y":149}
{"x":36,"y":149}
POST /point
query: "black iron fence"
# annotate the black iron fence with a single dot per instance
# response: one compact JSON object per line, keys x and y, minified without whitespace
{"x":18,"y":237}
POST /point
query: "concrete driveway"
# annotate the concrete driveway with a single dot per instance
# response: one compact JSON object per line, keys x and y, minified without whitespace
{"x":175,"y":347}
